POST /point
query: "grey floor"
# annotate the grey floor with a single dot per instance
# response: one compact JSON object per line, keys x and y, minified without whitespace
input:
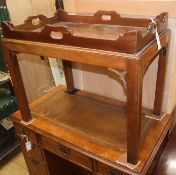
{"x":13,"y":164}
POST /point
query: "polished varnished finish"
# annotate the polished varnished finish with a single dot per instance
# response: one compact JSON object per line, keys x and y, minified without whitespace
{"x":63,"y":166}
{"x":93,"y":114}
{"x":34,"y":158}
{"x":77,"y":122}
{"x":165,"y":36}
{"x":82,"y":55}
{"x":167,"y":162}
{"x":103,"y":169}
{"x":35,"y":166}
{"x":101,"y":155}
{"x":67,"y":65}
{"x":160,"y":79}
{"x":104,"y":30}
{"x":25,"y":131}
{"x":134,"y":98}
{"x":67,"y":153}
{"x":14,"y":69}
{"x":35,"y":152}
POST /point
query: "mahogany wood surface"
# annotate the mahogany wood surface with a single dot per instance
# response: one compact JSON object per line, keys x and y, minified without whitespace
{"x":148,"y":55}
{"x":35,"y":152}
{"x":14,"y":69}
{"x":134,"y":106}
{"x":25,"y":131}
{"x":68,"y":75}
{"x":163,"y":56}
{"x":82,"y":55}
{"x":95,"y":32}
{"x":88,"y":118}
{"x":94,"y":57}
{"x":88,"y":147}
{"x":63,"y":166}
{"x":35,"y":166}
{"x":67,"y":153}
{"x":97,"y":133}
{"x":136,"y":139}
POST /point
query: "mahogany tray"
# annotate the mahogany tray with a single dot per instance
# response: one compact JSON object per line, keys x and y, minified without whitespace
{"x":105,"y":30}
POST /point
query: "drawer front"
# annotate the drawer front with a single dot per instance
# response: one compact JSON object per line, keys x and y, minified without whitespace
{"x":107,"y":170}
{"x":68,"y":153}
{"x":21,"y":130}
{"x":35,"y":166}
{"x":35,"y":151}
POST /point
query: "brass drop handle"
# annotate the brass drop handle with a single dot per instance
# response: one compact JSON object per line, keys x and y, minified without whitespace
{"x":112,"y":172}
{"x":64,"y":150}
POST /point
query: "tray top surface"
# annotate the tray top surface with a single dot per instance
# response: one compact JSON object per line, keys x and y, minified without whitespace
{"x":97,"y":31}
{"x":117,"y":33}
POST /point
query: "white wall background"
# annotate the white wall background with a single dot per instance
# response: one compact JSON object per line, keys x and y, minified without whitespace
{"x":98,"y":81}
{"x":95,"y":79}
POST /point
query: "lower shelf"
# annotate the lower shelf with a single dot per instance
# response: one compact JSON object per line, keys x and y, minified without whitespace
{"x":95,"y":129}
{"x":100,"y":122}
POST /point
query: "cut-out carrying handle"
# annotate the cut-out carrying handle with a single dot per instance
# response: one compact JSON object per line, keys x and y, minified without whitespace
{"x":56,"y":33}
{"x":162,"y":17}
{"x":35,"y":20}
{"x":107,"y":15}
{"x":160,"y":20}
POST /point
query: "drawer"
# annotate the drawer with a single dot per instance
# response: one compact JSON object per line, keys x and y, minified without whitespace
{"x":35,"y":166}
{"x":35,"y":151}
{"x":107,"y":170}
{"x":21,"y":130}
{"x":67,"y":153}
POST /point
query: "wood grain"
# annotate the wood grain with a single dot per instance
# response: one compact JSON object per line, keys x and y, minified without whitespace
{"x":12,"y":62}
{"x":82,"y":55}
{"x":67,"y":65}
{"x":162,"y":63}
{"x":134,"y":106}
{"x":90,"y":148}
{"x":87,"y":126}
{"x":91,"y":31}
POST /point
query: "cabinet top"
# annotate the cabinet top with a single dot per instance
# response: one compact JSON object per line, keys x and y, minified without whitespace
{"x":105,"y":30}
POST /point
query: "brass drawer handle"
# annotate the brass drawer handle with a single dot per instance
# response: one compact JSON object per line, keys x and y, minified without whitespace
{"x":111,"y":172}
{"x":22,"y":130}
{"x":64,"y":150}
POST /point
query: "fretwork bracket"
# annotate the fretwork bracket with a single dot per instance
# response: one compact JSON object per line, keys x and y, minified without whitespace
{"x":121,"y":74}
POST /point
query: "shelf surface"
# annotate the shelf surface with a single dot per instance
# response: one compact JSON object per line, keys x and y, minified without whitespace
{"x":94,"y":120}
{"x":94,"y":126}
{"x":97,"y":31}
